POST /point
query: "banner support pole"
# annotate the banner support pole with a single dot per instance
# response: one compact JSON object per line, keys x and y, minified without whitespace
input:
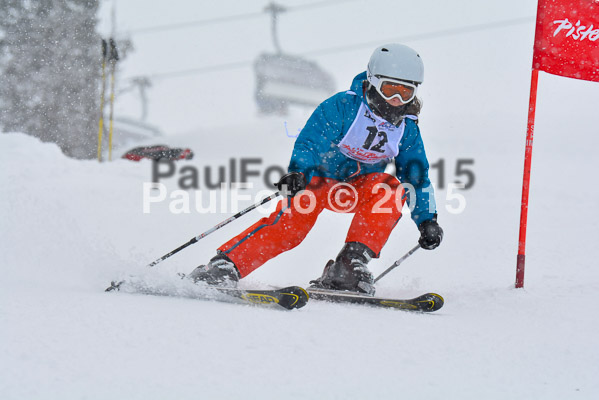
{"x":532,"y":105}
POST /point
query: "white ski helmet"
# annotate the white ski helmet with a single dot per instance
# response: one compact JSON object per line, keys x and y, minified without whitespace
{"x":396,"y":61}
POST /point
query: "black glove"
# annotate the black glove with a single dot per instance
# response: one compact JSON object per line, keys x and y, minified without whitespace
{"x":431,"y":234}
{"x":291,"y":183}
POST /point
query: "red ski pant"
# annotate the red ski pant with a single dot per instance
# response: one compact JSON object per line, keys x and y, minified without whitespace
{"x":376,"y":199}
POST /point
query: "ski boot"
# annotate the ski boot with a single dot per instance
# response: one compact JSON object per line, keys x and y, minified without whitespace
{"x":349,"y":271}
{"x":220,"y":271}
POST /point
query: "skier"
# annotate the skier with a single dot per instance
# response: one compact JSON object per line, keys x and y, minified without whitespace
{"x":338,"y":163}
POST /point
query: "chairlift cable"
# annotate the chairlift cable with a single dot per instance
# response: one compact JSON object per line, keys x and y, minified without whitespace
{"x":203,"y":22}
{"x":424,"y":36}
{"x":341,"y":49}
{"x":228,"y":18}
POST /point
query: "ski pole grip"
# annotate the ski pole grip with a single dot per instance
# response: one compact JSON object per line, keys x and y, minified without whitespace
{"x":114,"y":54}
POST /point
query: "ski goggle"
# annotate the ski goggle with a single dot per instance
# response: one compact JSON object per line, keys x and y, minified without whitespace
{"x":390,"y":88}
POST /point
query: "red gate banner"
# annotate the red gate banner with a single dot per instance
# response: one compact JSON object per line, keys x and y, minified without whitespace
{"x":567,"y":38}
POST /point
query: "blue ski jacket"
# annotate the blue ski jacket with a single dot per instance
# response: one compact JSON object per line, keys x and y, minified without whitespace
{"x":316,"y":151}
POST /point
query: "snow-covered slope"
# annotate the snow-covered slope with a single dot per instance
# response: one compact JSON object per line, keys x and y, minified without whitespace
{"x":67,"y":228}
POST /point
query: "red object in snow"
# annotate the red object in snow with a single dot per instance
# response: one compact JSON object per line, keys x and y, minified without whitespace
{"x":521,"y":258}
{"x":566,"y":44}
{"x":159,"y":152}
{"x":567,"y":38}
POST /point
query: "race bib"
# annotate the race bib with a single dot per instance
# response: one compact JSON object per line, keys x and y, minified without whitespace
{"x":371,"y":139}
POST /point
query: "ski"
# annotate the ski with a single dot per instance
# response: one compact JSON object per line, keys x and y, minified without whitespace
{"x":428,"y":302}
{"x":290,"y":298}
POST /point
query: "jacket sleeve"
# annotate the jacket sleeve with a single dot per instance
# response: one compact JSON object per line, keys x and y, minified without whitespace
{"x":412,"y":168}
{"x":315,"y":139}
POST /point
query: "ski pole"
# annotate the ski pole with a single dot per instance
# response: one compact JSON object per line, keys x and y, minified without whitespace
{"x":396,"y":263}
{"x":113,"y":58}
{"x":102,"y":94}
{"x":215,"y":228}
{"x":116,"y":285}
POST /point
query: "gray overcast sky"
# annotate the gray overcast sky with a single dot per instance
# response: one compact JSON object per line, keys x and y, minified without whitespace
{"x":213,"y":98}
